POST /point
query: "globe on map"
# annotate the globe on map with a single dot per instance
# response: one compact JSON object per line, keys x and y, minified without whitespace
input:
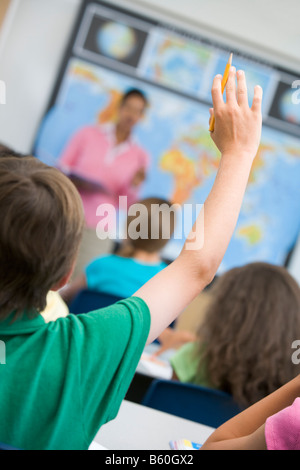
{"x":116,"y":40}
{"x":289,"y":110}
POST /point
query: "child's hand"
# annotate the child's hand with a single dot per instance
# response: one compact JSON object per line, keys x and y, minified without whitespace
{"x":174,"y":339}
{"x":237,"y":126}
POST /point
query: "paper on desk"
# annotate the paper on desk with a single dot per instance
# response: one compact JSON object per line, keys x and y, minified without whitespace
{"x":95,"y":446}
{"x":155,"y":367}
{"x":184,"y":444}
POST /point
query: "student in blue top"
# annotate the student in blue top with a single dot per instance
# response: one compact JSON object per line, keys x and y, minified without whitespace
{"x":149,"y":227}
{"x":138,"y":259}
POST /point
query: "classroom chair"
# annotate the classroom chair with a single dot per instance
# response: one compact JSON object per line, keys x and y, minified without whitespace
{"x":88,"y":301}
{"x":196,"y":403}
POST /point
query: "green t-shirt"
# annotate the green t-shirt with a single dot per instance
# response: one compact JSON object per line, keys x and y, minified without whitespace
{"x":185,"y":363}
{"x":63,"y":380}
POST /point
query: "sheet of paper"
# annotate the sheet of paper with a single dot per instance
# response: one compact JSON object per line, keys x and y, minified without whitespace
{"x":95,"y":446}
{"x":184,"y":444}
{"x":154,"y":367}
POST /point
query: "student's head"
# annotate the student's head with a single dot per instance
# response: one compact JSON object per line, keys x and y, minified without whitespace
{"x":6,"y":151}
{"x":132,"y":108}
{"x":40,"y":231}
{"x":250,"y":325}
{"x":150,"y":225}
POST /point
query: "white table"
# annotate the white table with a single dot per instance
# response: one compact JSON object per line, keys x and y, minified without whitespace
{"x":141,"y":428}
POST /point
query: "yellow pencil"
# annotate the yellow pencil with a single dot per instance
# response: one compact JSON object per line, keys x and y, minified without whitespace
{"x":224,"y":83}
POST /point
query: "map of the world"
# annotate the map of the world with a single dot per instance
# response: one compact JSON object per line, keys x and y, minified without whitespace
{"x":184,"y":158}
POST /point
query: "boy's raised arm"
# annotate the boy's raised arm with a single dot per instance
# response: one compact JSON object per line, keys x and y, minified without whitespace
{"x":237,"y":135}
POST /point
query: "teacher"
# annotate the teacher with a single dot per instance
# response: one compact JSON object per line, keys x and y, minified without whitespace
{"x":105,"y":162}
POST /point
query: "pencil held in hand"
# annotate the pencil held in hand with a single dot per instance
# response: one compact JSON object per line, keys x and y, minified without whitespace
{"x":234,"y":117}
{"x":224,"y":83}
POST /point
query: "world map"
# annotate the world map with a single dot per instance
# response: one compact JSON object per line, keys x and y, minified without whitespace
{"x":184,"y":160}
{"x":178,"y":63}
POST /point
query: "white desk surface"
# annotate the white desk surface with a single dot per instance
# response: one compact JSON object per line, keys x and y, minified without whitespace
{"x":160,"y":368}
{"x":141,"y":428}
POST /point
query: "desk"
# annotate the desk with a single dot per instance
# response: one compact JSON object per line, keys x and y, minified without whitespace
{"x":146,"y":372}
{"x":159,"y":368}
{"x":141,"y":428}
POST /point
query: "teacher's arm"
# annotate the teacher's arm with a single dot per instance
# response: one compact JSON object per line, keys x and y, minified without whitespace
{"x":68,"y":163}
{"x":71,"y":153}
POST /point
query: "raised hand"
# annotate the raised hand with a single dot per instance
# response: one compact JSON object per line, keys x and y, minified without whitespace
{"x":237,"y":126}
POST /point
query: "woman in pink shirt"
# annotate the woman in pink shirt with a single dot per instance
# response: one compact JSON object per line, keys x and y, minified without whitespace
{"x":105,"y":162}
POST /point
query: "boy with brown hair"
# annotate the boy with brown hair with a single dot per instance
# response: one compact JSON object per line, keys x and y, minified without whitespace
{"x":149,"y":226}
{"x":64,"y":379}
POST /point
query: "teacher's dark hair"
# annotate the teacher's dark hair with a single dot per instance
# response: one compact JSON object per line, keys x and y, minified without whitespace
{"x":134,"y":92}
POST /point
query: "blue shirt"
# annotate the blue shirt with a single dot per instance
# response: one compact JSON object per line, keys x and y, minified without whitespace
{"x":120,"y":276}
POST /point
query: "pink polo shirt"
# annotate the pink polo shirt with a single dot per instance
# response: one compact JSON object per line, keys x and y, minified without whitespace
{"x":93,"y":155}
{"x":282,"y":431}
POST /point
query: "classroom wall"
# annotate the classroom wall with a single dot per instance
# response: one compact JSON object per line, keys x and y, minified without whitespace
{"x":268,"y":27}
{"x":32,"y":43}
{"x":35,"y":34}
